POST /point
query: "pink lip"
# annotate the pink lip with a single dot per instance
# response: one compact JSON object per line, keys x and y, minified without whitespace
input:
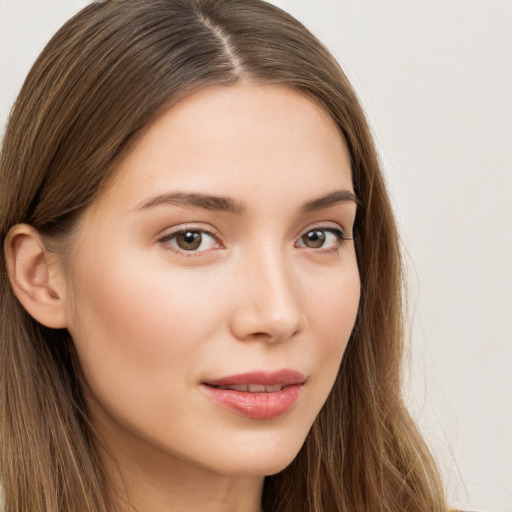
{"x":285,"y":377}
{"x":257,"y":405}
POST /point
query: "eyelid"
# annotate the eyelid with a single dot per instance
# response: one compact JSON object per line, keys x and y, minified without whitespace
{"x":334,"y":228}
{"x":330,"y":226}
{"x":342,"y":235}
{"x":183,"y":228}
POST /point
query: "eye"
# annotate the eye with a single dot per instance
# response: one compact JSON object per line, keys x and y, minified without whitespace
{"x":327,"y":238}
{"x":191,"y":240}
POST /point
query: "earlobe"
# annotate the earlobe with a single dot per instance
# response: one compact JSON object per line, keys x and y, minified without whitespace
{"x":33,"y":277}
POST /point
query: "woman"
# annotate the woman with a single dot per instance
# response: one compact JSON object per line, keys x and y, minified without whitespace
{"x":201,"y":297}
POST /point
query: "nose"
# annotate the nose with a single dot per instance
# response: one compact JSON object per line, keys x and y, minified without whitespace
{"x":269,"y":301}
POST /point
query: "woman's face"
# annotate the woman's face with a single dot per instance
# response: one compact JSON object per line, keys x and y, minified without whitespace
{"x":213,"y":285}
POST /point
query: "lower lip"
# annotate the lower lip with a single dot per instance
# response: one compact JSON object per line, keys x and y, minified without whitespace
{"x":257,"y":406}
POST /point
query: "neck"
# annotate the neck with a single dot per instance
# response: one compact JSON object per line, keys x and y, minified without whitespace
{"x":149,"y":479}
{"x":137,"y":490}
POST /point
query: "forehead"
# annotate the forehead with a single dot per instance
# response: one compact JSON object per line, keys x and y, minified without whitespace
{"x":239,"y":140}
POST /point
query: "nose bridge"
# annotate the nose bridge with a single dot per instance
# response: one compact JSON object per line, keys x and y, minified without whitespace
{"x":271,"y":303}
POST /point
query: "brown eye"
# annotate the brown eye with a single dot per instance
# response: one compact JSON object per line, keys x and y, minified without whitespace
{"x":314,"y":239}
{"x":325,"y":238}
{"x":189,"y":240}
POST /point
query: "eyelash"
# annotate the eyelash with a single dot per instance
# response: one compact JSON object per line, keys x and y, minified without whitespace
{"x":341,"y":235}
{"x":166,"y":240}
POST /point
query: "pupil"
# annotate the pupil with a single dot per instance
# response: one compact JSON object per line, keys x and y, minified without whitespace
{"x":314,"y":239}
{"x":189,"y":240}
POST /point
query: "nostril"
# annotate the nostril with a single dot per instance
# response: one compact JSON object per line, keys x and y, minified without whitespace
{"x":262,"y":335}
{"x":269,"y":336}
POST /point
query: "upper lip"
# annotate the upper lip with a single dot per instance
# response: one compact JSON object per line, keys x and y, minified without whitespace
{"x":286,"y":377}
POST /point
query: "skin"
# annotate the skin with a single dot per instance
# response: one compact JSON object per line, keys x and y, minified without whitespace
{"x":151,"y":321}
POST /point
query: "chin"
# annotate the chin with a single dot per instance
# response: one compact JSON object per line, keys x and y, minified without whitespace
{"x":260,"y":459}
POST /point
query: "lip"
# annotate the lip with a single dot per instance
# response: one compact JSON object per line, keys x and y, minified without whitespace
{"x":257,"y":405}
{"x":286,"y":377}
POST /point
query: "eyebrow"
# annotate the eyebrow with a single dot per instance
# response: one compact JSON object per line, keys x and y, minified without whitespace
{"x":331,"y":199}
{"x":205,"y":201}
{"x":229,"y":205}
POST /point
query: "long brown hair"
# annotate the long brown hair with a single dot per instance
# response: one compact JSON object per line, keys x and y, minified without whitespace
{"x":104,"y":77}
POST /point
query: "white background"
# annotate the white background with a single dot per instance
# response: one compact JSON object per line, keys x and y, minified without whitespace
{"x":436,"y":81}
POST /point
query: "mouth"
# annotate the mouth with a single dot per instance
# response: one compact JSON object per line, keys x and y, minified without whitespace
{"x":257,"y":395}
{"x":254,"y":388}
{"x":258,"y":380}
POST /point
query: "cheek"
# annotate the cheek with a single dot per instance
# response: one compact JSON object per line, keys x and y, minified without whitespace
{"x":136,"y":327}
{"x":333,"y":311}
{"x":335,"y":303}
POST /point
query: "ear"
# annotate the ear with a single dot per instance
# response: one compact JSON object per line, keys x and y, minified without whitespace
{"x":35,"y":276}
